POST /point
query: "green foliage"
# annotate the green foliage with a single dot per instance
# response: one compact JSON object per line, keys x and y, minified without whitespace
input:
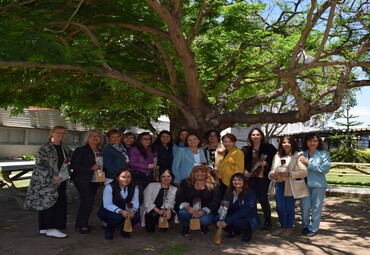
{"x":349,"y":154}
{"x":123,"y":63}
{"x":28,"y":157}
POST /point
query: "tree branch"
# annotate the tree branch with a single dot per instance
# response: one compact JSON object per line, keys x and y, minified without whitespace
{"x":68,"y":21}
{"x":169,"y":64}
{"x":362,"y":21}
{"x":24,"y":64}
{"x":198,"y":22}
{"x":327,"y":30}
{"x":17,"y":5}
{"x":185,"y":55}
{"x":135,"y":27}
{"x":258,"y":99}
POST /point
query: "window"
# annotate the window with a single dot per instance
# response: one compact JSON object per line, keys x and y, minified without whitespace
{"x":11,"y":136}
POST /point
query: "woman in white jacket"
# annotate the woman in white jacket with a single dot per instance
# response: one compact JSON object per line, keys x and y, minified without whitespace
{"x":289,"y":174}
{"x":159,"y":200}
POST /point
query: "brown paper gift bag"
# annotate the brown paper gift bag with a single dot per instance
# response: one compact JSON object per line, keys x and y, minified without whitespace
{"x":218,"y":235}
{"x":99,"y":176}
{"x":163,"y":223}
{"x":194,"y":224}
{"x":127,"y":226}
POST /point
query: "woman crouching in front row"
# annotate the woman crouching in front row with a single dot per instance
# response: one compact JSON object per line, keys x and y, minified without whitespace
{"x":120,"y":201}
{"x":242,"y":216}
{"x":198,"y":197}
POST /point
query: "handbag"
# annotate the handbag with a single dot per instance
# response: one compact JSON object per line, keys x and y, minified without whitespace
{"x":194,"y":224}
{"x":271,"y":191}
{"x":298,"y":186}
{"x":64,"y":171}
{"x":163,"y":223}
{"x":127,"y":226}
{"x":99,"y":176}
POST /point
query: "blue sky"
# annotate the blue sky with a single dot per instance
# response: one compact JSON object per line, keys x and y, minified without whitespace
{"x":363,"y":106}
{"x":362,"y":110}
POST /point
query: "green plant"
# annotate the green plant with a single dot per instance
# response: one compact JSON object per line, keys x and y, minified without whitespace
{"x":28,"y":157}
{"x":349,"y":154}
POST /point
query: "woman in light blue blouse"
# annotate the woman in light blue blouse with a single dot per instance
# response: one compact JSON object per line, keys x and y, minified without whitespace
{"x":120,"y":201}
{"x":318,"y":164}
{"x":187,"y":157}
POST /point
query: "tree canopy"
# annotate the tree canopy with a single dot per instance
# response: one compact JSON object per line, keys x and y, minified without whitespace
{"x":204,"y":63}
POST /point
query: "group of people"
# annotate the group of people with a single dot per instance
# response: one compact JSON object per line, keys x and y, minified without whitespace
{"x":152,"y":182}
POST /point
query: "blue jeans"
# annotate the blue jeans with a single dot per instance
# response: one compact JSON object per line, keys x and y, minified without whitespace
{"x":313,"y":203}
{"x":285,"y":206}
{"x":115,"y":220}
{"x":184,"y":218}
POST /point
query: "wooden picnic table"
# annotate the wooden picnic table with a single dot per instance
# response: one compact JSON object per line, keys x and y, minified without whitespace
{"x":11,"y":172}
{"x":350,"y":169}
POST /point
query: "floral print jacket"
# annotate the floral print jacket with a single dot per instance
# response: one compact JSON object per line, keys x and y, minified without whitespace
{"x":42,"y":192}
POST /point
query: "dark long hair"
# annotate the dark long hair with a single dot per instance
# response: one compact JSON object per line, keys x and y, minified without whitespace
{"x":177,"y":142}
{"x":210,"y":132}
{"x":263,"y":139}
{"x":142,"y":150}
{"x":292,"y":142}
{"x":117,"y":189}
{"x":320,"y":146}
{"x":157,"y":141}
{"x":245,"y":187}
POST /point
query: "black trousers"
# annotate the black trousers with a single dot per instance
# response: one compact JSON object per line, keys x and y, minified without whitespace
{"x":242,"y":227}
{"x":142,"y":180}
{"x":260,"y":186}
{"x":151,"y":219}
{"x":55,"y":216}
{"x":87,"y":193}
{"x":223,"y":188}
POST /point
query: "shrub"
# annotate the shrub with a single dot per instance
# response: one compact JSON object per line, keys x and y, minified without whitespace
{"x":28,"y":157}
{"x":349,"y":154}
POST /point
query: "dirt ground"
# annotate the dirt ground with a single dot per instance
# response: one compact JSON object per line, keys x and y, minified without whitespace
{"x":345,"y":229}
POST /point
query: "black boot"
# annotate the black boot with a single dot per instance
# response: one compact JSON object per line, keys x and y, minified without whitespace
{"x":267,"y":225}
{"x":185,"y":231}
{"x":247,"y":236}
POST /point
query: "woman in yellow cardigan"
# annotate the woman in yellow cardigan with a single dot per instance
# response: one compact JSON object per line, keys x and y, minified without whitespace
{"x":231,"y":161}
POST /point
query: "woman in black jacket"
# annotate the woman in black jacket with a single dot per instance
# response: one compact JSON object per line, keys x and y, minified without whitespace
{"x":258,"y":156}
{"x":198,"y":197}
{"x":85,"y":160}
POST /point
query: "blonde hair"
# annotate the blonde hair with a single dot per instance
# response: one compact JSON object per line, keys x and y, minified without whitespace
{"x":54,"y":129}
{"x":210,"y":181}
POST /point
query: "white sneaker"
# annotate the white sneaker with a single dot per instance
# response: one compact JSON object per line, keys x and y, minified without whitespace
{"x":43,"y":231}
{"x":55,"y":233}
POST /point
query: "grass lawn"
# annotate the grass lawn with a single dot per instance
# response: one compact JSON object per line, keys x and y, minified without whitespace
{"x":334,"y":178}
{"x":348,"y":181}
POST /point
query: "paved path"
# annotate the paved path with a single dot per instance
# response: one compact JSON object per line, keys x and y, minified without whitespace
{"x":348,"y":192}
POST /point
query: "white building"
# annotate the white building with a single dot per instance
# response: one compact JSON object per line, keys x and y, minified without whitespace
{"x":25,"y":133}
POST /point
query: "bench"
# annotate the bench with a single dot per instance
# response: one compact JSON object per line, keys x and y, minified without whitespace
{"x":12,"y":171}
{"x":342,"y":169}
{"x":23,"y":170}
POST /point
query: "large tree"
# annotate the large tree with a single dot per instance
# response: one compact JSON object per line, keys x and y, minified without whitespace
{"x":204,"y":63}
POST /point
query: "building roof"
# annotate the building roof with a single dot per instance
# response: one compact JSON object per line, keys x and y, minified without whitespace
{"x":331,"y":131}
